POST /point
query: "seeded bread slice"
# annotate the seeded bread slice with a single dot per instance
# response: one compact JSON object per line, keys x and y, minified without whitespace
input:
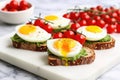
{"x":101,"y":45}
{"x":29,"y":46}
{"x":56,"y":61}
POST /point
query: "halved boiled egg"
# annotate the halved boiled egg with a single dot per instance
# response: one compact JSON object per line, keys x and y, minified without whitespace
{"x":57,"y":22}
{"x":32,"y":33}
{"x":92,"y":33}
{"x":64,"y":47}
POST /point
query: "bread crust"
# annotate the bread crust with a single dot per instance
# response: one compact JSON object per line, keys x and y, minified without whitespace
{"x":56,"y":61}
{"x":29,"y":46}
{"x":101,"y":45}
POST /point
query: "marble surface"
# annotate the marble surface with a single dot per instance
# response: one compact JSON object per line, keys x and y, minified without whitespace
{"x":10,"y":72}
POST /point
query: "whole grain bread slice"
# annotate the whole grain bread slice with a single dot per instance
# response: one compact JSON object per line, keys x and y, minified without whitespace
{"x":56,"y":61}
{"x":101,"y":45}
{"x":29,"y":46}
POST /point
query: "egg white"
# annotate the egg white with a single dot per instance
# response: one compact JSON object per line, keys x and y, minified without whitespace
{"x":92,"y":36}
{"x":76,"y":50}
{"x":40,"y":35}
{"x":61,"y":22}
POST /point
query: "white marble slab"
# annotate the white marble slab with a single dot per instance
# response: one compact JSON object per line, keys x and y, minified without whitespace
{"x":36,"y":62}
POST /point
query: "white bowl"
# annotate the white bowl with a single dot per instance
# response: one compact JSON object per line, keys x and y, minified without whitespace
{"x":15,"y":17}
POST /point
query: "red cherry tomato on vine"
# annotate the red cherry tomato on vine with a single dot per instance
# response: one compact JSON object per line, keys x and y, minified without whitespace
{"x":110,"y":28}
{"x":75,"y":26}
{"x":93,"y":9}
{"x":69,"y":34}
{"x":99,"y":7}
{"x":118,"y":28}
{"x":82,"y":22}
{"x":57,"y":35}
{"x":101,"y":23}
{"x":118,"y":12}
{"x":114,"y":14}
{"x":48,"y":28}
{"x":85,"y":17}
{"x":97,"y":18}
{"x":39,"y":22}
{"x":106,"y":18}
{"x":112,"y":8}
{"x":91,"y":22}
{"x":112,"y":20}
{"x":118,"y":18}
{"x":74,"y":15}
{"x":82,"y":14}
{"x":67,"y":15}
{"x":80,"y":38}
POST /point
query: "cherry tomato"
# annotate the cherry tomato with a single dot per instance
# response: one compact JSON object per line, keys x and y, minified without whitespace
{"x":118,"y":28}
{"x":74,"y":15}
{"x":90,"y":14}
{"x":8,"y":6}
{"x":116,"y":23}
{"x":92,"y":8}
{"x":102,"y":16}
{"x":77,"y":15}
{"x":118,"y":19}
{"x":57,"y":35}
{"x":75,"y":26}
{"x":112,"y":8}
{"x":118,"y":12}
{"x":24,"y":5}
{"x":110,"y":28}
{"x":23,"y":8}
{"x":85,"y":17}
{"x":48,"y":28}
{"x":112,"y":20}
{"x":81,"y":38}
{"x":13,"y":4}
{"x":81,"y":14}
{"x":69,"y":34}
{"x":39,"y":22}
{"x":97,"y":18}
{"x":91,"y":22}
{"x":67,"y":15}
{"x":100,"y":23}
{"x":99,"y":7}
{"x":4,"y":9}
{"x":114,"y":14}
{"x":107,"y":10}
{"x":82,"y":22}
{"x":106,"y":18}
{"x":13,"y":10}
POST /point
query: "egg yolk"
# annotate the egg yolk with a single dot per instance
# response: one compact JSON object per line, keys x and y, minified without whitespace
{"x":27,"y":29}
{"x":51,"y":17}
{"x":94,"y":29}
{"x":64,"y":46}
